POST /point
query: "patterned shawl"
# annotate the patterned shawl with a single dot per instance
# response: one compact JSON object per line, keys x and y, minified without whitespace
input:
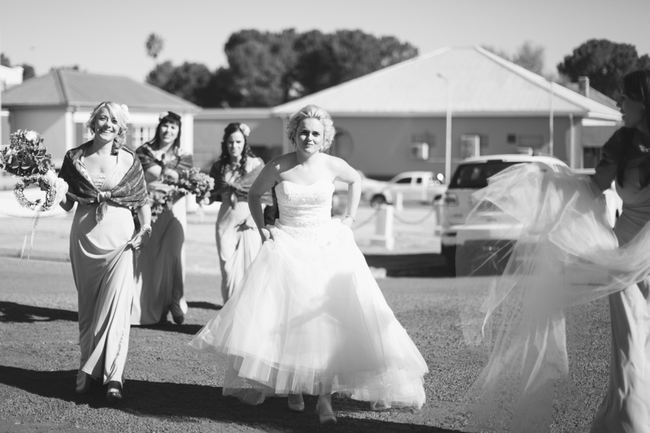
{"x":130,"y":192}
{"x":180,"y":161}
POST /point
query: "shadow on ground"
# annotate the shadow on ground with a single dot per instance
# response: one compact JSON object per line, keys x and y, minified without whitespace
{"x":20,"y":313}
{"x":177,"y":400}
{"x":410,"y":265}
{"x":204,"y":305}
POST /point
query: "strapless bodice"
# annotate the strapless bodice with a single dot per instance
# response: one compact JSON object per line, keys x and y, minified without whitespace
{"x":304,"y":205}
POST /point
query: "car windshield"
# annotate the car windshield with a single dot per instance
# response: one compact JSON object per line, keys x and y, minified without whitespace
{"x":475,"y":175}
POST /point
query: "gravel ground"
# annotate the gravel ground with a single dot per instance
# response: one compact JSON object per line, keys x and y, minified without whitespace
{"x":171,"y":388}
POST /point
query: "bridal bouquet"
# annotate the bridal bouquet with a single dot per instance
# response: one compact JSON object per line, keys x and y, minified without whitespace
{"x":27,"y":158}
{"x":190,"y":181}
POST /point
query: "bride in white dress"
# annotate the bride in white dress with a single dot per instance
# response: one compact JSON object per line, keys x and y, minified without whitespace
{"x":309,"y":318}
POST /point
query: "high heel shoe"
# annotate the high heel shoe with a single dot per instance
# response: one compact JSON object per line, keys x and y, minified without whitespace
{"x":324,"y":408}
{"x":82,"y":383}
{"x":295,"y":402}
{"x":114,"y":391}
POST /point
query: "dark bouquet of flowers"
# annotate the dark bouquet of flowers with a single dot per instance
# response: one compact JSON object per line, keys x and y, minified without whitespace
{"x":27,"y":158}
{"x":163,"y":195}
{"x":192,"y":181}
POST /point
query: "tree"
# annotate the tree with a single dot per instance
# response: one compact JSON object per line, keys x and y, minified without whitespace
{"x":260,"y":66}
{"x":187,"y":80}
{"x":325,"y":60}
{"x":28,"y":72}
{"x":644,"y":62}
{"x":154,"y":45}
{"x":530,"y":57}
{"x":527,"y":56}
{"x":269,"y":68}
{"x":604,"y":62}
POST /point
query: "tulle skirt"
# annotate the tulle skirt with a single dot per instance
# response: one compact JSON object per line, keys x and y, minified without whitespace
{"x":567,"y":255}
{"x":310,"y":318}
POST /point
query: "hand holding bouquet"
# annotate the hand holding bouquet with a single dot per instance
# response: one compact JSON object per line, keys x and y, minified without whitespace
{"x":27,"y":158}
{"x":166,"y":191}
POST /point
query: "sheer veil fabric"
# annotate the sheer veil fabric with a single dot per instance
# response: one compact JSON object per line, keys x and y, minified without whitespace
{"x":567,"y":255}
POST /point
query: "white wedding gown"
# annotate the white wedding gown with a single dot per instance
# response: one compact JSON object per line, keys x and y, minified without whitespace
{"x":309,"y":316}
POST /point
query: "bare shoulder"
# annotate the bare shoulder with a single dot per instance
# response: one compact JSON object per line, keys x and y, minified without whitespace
{"x":126,"y":157}
{"x":284,"y":162}
{"x":335,"y":162}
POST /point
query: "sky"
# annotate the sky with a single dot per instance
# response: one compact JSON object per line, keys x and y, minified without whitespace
{"x":109,"y":36}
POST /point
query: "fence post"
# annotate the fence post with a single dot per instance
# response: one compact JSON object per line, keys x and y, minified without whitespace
{"x":399,"y":202}
{"x":384,"y":235}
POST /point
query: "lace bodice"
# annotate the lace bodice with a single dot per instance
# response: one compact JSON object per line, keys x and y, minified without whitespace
{"x":304,"y":205}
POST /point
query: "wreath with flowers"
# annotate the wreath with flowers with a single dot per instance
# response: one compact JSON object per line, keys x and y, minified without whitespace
{"x":27,"y":158}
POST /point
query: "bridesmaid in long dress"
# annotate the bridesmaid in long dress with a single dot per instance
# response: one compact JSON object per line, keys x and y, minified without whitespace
{"x":626,"y":159}
{"x":162,"y":261}
{"x":236,"y":233}
{"x":568,"y":255}
{"x":107,"y":182}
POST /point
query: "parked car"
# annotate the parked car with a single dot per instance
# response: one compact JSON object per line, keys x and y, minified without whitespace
{"x":368,"y":187}
{"x":492,"y":233}
{"x":419,"y":186}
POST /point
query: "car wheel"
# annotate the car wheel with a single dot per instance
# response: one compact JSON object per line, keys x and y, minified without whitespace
{"x":377,"y":200}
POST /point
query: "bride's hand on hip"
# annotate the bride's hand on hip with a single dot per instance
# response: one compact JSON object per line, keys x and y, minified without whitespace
{"x":266,"y":234}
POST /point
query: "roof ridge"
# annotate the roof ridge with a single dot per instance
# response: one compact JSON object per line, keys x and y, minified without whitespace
{"x":58,"y":81}
{"x":386,"y":69}
{"x":536,"y":79}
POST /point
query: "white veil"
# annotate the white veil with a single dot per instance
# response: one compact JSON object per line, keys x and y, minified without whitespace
{"x":567,"y":255}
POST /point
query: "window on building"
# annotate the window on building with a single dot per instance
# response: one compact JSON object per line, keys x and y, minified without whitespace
{"x":140,"y":134}
{"x":591,"y":156}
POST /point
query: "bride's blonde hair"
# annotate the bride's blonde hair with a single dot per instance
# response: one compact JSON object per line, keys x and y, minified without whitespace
{"x":313,"y":112}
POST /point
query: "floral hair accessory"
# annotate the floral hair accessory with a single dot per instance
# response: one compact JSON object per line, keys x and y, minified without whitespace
{"x":245,"y":129}
{"x":125,"y":108}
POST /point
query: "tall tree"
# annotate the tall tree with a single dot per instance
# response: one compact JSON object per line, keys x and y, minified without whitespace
{"x":325,"y":60}
{"x":187,"y":80}
{"x":154,"y":45}
{"x":603,"y":61}
{"x":260,"y":65}
{"x":269,"y":68}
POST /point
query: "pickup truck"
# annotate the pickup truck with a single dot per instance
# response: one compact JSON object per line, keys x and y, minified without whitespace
{"x":414,"y":186}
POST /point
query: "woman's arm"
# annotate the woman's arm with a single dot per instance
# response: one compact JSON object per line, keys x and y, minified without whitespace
{"x":344,"y":172}
{"x":263,"y":183}
{"x":607,"y":167}
{"x":144,"y":216}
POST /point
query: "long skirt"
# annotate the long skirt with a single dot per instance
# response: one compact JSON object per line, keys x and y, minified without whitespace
{"x":626,"y":406}
{"x":161,"y":267}
{"x":238,"y":242}
{"x":103,"y":271}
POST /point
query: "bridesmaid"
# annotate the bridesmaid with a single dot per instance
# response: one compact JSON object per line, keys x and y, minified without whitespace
{"x":236,"y":232}
{"x":162,"y":262}
{"x":107,"y":182}
{"x":626,"y":160}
